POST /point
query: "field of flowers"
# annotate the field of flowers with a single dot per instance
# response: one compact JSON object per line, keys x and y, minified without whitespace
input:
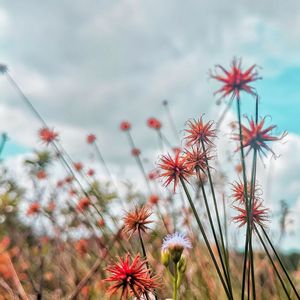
{"x":74,"y":235}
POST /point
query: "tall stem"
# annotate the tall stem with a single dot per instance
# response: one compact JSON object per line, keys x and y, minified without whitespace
{"x":175,"y":287}
{"x":205,"y":238}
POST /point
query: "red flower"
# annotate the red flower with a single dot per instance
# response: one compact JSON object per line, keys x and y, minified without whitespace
{"x":238,"y":192}
{"x":91,"y":138}
{"x":78,"y":166}
{"x":154,"y":123}
{"x":81,"y":247}
{"x":41,"y":174}
{"x":153,"y":174}
{"x":59,"y":183}
{"x":137,"y":220}
{"x":153,"y":199}
{"x":91,"y":172}
{"x":132,"y":279}
{"x":125,"y":126}
{"x":135,"y":152}
{"x":47,"y":135}
{"x":255,"y":137}
{"x":259,"y":214}
{"x":196,"y":159}
{"x":236,"y":80}
{"x":198,"y":132}
{"x":101,"y":223}
{"x":33,"y":208}
{"x":83,"y":204}
{"x":69,"y":179}
{"x":174,"y":169}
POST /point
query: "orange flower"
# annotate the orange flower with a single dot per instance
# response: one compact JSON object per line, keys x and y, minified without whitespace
{"x":132,"y":278}
{"x":153,"y":199}
{"x":41,"y":174}
{"x":78,"y":166}
{"x":135,"y":152}
{"x":125,"y":126}
{"x":154,"y":123}
{"x":238,"y":192}
{"x":196,"y":159}
{"x":137,"y":220}
{"x":91,"y":138}
{"x":236,"y":80}
{"x":81,"y":247}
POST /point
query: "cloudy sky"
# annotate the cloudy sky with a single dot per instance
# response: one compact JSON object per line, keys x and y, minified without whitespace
{"x":87,"y":65}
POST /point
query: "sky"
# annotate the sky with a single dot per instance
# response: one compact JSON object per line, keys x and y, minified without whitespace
{"x":87,"y":65}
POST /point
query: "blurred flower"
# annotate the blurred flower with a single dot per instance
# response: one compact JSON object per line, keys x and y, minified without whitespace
{"x":137,"y":220}
{"x":132,"y":279}
{"x":81,"y":247}
{"x":101,"y":223}
{"x":83,"y":204}
{"x":69,"y":179}
{"x":51,"y":206}
{"x":41,"y":174}
{"x":78,"y":166}
{"x":125,"y":126}
{"x":33,"y":208}
{"x":135,"y":152}
{"x":59,"y":183}
{"x":90,"y":138}
{"x":47,"y":135}
{"x":91,"y":172}
{"x":236,"y":80}
{"x":174,"y":169}
{"x":153,"y":174}
{"x":153,"y":199}
{"x":154,"y":123}
{"x":255,"y":137}
{"x":259,"y":214}
{"x":198,"y":132}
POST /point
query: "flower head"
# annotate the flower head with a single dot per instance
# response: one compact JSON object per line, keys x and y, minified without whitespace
{"x":196,"y":159}
{"x":154,"y":123}
{"x":90,"y":138}
{"x":198,"y":132}
{"x":174,"y":244}
{"x":238,"y":192}
{"x":259,"y":214}
{"x":135,"y":151}
{"x":81,"y":247}
{"x":91,"y":172}
{"x":131,"y":278}
{"x":138,"y":219}
{"x":153,"y":199}
{"x":125,"y":126}
{"x":47,"y":135}
{"x":83,"y":204}
{"x":41,"y":174}
{"x":174,"y":169}
{"x":33,"y":208}
{"x":78,"y":166}
{"x":256,"y":137}
{"x":236,"y":80}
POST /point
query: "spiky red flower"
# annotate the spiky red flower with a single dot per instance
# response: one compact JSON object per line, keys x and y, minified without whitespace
{"x":255,"y":137}
{"x":47,"y":135}
{"x":135,"y":151}
{"x":125,"y":126}
{"x":196,"y":159}
{"x":258,"y":216}
{"x":174,"y":169}
{"x":78,"y":166}
{"x":137,"y":220}
{"x":238,"y":192}
{"x":90,"y":138}
{"x":83,"y":204}
{"x":33,"y":208}
{"x":131,"y":278}
{"x":154,"y":123}
{"x":236,"y":80}
{"x":198,"y":132}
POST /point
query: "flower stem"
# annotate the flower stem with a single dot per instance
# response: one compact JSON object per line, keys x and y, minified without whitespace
{"x":175,"y":287}
{"x":205,"y":238}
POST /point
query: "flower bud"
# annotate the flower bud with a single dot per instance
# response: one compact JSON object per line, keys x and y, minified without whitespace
{"x":165,"y":257}
{"x":182,"y":264}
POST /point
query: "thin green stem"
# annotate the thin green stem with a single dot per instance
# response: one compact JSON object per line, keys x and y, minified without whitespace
{"x":175,"y":287}
{"x":205,"y":238}
{"x":272,"y":262}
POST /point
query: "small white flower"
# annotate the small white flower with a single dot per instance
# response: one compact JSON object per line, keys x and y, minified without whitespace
{"x":176,"y":240}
